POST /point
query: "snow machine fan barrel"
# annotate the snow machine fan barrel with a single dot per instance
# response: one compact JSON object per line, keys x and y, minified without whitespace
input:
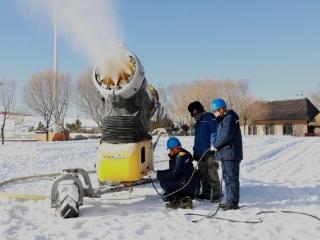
{"x":126,"y":85}
{"x":125,"y":152}
{"x":130,"y":94}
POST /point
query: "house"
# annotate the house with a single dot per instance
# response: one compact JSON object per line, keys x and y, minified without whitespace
{"x":298,"y":117}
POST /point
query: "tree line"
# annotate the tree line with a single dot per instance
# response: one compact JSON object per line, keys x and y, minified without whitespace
{"x":49,"y":96}
{"x":176,"y":98}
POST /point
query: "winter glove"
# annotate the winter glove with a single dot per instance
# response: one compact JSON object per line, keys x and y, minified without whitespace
{"x":213,"y":149}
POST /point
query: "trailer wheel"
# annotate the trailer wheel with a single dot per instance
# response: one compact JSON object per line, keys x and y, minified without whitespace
{"x":69,"y":208}
{"x":68,"y":195}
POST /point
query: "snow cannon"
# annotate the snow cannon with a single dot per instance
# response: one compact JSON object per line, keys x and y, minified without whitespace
{"x":126,"y":152}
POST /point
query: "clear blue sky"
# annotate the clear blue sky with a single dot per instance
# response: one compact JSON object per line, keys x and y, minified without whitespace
{"x":274,"y":44}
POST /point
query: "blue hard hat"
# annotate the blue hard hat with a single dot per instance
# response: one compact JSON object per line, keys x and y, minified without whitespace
{"x":173,"y":142}
{"x":218,"y":103}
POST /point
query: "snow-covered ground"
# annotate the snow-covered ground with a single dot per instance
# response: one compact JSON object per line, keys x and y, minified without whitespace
{"x":277,"y":173}
{"x":18,"y":126}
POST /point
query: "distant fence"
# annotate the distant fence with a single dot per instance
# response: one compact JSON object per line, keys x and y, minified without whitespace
{"x":312,"y":134}
{"x":21,"y":140}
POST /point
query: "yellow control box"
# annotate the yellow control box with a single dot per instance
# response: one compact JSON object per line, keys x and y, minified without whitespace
{"x":124,"y":162}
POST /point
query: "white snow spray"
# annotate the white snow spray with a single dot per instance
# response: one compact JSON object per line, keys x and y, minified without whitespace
{"x":91,"y":26}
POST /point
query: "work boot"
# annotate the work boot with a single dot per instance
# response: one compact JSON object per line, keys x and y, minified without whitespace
{"x":202,"y":196}
{"x":213,"y":197}
{"x":186,"y":203}
{"x":168,"y":198}
{"x":227,"y":206}
{"x":174,"y":204}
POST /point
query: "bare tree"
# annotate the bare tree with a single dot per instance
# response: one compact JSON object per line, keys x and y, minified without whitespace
{"x":237,"y":95}
{"x":88,"y":98}
{"x":61,"y":98}
{"x":208,"y":90}
{"x":233,"y":92}
{"x":7,"y":91}
{"x":245,"y":113}
{"x":181,"y":96}
{"x":175,"y":99}
{"x":47,"y":98}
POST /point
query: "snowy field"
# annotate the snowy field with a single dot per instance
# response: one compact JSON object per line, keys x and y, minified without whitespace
{"x":17,"y":127}
{"x":277,"y":173}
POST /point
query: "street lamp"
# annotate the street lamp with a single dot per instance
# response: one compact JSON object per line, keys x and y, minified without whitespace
{"x":55,"y":65}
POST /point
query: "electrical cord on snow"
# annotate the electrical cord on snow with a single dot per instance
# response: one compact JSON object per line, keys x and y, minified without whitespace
{"x":215,"y":212}
{"x":259,"y":220}
{"x":178,"y":190}
{"x":287,"y":211}
{"x":204,"y":216}
{"x":195,"y":214}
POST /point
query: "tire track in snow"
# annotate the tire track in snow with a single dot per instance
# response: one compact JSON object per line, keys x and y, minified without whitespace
{"x":264,"y":153}
{"x":281,"y":164}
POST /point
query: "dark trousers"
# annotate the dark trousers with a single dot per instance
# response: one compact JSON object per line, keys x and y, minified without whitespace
{"x":230,"y":171}
{"x":192,"y":189}
{"x":209,"y":177}
{"x":169,"y":187}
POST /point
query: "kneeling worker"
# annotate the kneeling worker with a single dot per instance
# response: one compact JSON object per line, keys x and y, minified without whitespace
{"x":180,"y":172}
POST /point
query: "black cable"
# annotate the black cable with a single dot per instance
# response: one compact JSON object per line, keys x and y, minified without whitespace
{"x":266,"y":212}
{"x":287,"y":211}
{"x":178,"y":190}
{"x":195,"y":214}
{"x":213,"y":215}
{"x":216,"y":211}
{"x":204,"y":216}
{"x":155,"y":188}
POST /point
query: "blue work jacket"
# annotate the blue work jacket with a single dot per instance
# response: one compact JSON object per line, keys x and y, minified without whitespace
{"x":229,"y":139}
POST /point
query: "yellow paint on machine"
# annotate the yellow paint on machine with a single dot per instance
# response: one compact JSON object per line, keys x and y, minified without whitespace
{"x":124,"y":162}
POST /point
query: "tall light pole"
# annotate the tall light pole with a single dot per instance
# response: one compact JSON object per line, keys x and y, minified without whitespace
{"x":55,"y":66}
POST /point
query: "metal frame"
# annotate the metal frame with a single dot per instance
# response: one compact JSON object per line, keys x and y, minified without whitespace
{"x":73,"y":174}
{"x":87,"y":190}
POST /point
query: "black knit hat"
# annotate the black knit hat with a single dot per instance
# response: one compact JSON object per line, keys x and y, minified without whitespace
{"x":196,"y":105}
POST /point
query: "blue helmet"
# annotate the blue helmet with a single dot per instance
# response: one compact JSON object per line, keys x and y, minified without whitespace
{"x":173,"y":142}
{"x":218,"y":103}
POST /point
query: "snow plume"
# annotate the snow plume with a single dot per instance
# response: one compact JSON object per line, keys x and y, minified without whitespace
{"x":91,"y":26}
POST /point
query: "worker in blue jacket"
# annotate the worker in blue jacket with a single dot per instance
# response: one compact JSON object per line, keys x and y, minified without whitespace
{"x":205,"y":136}
{"x":228,"y":147}
{"x":181,"y":174}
